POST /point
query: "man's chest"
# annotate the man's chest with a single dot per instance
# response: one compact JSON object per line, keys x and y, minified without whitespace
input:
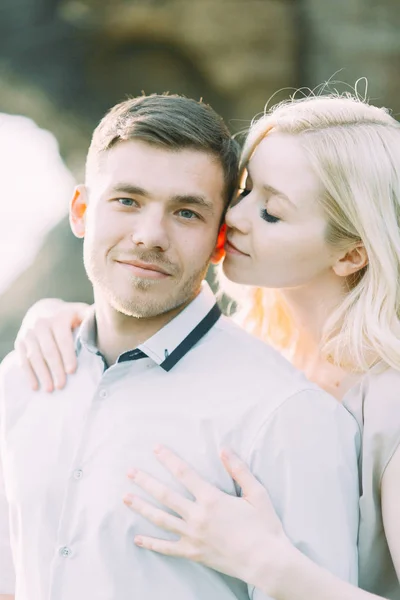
{"x":73,"y":453}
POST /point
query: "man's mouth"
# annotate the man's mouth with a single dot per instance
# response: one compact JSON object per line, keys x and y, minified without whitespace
{"x":144,"y":269}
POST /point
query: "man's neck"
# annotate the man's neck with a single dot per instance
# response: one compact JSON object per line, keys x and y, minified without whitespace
{"x":117,"y":333}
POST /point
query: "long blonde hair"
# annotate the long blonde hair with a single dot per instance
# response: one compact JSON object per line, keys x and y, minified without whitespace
{"x":354,"y":149}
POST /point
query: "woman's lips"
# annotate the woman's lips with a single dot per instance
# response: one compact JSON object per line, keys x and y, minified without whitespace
{"x":232,"y":249}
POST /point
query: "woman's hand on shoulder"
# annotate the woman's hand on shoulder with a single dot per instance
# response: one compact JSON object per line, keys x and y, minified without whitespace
{"x":45,"y":344}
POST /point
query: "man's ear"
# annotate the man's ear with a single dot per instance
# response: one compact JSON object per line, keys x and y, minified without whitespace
{"x":353,"y":261}
{"x":219,"y":251}
{"x":77,"y":211}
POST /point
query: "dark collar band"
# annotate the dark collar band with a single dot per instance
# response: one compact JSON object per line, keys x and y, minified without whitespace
{"x":194,"y":336}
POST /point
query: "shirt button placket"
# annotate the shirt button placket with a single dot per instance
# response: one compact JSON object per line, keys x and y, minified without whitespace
{"x":103,"y":393}
{"x":65,"y":552}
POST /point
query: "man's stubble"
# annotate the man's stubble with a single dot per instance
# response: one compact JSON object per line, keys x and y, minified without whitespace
{"x":147,"y":298}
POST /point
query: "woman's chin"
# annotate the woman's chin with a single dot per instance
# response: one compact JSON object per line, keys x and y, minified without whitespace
{"x":234,"y":275}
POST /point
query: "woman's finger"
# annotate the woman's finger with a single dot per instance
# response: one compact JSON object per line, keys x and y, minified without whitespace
{"x":66,"y":344}
{"x":63,"y":324}
{"x":79,"y":312}
{"x":155,"y":515}
{"x":176,"y":502}
{"x":161,"y":546}
{"x":51,"y":353}
{"x":252,"y":490}
{"x":32,"y":353}
{"x":26,"y":365}
{"x":185,"y":474}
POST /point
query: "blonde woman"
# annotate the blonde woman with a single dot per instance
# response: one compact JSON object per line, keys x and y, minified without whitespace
{"x":315,"y":236}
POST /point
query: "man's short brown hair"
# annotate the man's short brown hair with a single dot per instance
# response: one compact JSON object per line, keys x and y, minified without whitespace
{"x":172,"y":122}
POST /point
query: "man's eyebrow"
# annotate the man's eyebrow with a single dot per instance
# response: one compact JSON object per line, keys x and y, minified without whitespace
{"x":194,"y":200}
{"x":128,"y":188}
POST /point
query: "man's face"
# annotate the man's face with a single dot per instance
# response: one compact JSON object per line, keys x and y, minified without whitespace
{"x":151,"y":226}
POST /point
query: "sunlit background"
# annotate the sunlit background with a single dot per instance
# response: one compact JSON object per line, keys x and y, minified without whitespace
{"x":35,"y":188}
{"x":63,"y":63}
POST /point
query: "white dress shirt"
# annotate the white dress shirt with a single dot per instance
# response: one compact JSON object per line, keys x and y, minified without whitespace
{"x":65,"y":533}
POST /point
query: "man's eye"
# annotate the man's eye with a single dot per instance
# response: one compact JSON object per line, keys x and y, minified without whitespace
{"x":188,"y":214}
{"x":126,"y":201}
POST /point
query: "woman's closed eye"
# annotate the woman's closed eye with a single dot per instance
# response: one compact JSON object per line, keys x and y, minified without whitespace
{"x":264,"y":214}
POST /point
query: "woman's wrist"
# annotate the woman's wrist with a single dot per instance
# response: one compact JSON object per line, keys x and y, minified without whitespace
{"x":296,"y":577}
{"x":271,"y":568}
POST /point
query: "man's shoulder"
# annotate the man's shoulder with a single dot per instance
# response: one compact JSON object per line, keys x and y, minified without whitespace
{"x":253,"y":354}
{"x":10,"y":368}
{"x":314,"y":418}
{"x":238,"y":340}
{"x":295,"y":394}
{"x":14,"y":385}
{"x":246,"y":362}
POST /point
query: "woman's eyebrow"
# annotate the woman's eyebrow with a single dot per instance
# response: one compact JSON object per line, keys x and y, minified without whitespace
{"x":278,"y":193}
{"x":271,"y":190}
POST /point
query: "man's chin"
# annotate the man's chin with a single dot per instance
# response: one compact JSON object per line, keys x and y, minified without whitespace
{"x":148,"y":306}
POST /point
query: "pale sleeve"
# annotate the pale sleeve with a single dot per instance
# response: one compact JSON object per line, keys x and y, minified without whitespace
{"x":7,"y":572}
{"x":306,"y":455}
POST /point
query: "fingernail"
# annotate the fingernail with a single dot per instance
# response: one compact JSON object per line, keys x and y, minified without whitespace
{"x":158,"y":449}
{"x":132,"y":473}
{"x":70,"y":368}
{"x":127,"y":499}
{"x":138,"y":541}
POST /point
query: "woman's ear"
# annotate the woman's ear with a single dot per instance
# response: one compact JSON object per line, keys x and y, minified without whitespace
{"x":219,"y":251}
{"x":77,"y":211}
{"x":354,"y":260}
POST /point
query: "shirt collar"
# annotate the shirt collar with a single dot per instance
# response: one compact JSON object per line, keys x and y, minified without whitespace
{"x":172,"y":342}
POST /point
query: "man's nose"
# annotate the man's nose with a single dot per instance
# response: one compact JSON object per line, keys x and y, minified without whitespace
{"x":150,"y":231}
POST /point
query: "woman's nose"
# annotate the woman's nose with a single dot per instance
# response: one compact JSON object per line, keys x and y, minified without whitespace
{"x":238,"y":216}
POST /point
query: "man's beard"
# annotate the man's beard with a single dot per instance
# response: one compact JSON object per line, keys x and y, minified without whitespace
{"x":149,"y":302}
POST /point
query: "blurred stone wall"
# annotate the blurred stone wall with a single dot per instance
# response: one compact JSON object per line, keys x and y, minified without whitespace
{"x":354,"y":38}
{"x":65,"y":62}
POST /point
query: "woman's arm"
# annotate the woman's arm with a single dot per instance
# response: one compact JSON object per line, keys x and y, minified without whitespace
{"x":304,"y":580}
{"x":256,"y":550}
{"x":390,"y":491}
{"x":45,"y":344}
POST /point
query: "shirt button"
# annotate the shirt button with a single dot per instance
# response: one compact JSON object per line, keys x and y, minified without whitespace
{"x":103,"y":393}
{"x":65,"y":552}
{"x":78,"y":473}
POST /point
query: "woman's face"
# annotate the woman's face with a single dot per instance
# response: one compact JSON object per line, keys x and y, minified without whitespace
{"x":276,"y":231}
